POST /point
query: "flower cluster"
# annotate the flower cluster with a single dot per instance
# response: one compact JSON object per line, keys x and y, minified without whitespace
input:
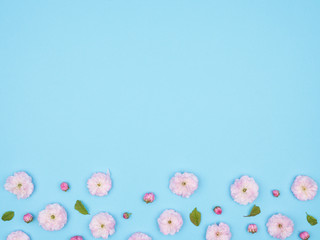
{"x":244,"y":190}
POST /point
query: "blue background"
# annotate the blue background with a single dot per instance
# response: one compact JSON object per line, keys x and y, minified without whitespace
{"x":148,"y":88}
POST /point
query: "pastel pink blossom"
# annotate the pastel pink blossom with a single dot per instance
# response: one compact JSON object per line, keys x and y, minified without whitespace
{"x":183,"y":184}
{"x":76,"y":238}
{"x":99,"y":184}
{"x":64,"y":186}
{"x":149,"y":197}
{"x":244,"y":190}
{"x":18,"y":235}
{"x":252,"y":228}
{"x":304,"y":235}
{"x":275,"y":193}
{"x":53,"y":217}
{"x":139,"y":236}
{"x":217,"y":210}
{"x":280,"y":226}
{"x":304,"y":188}
{"x":102,"y":225}
{"x":170,"y":222}
{"x":218,"y":232}
{"x":20,"y":184}
{"x":28,"y":218}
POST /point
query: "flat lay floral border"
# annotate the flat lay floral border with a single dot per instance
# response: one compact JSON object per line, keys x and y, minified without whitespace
{"x":243,"y":191}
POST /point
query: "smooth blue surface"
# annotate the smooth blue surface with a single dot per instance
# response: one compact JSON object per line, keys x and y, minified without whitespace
{"x":148,"y":88}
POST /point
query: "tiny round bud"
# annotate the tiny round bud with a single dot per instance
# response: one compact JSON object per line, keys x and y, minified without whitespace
{"x":76,"y":238}
{"x":304,"y":235}
{"x":126,"y":215}
{"x":64,"y":186}
{"x":28,"y":218}
{"x":149,"y":197}
{"x":217,"y":210}
{"x":276,"y":193}
{"x":252,"y":228}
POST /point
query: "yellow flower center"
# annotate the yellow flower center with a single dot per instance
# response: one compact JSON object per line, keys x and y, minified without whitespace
{"x":169,"y":221}
{"x":184,"y":183}
{"x":53,"y":216}
{"x":244,"y":190}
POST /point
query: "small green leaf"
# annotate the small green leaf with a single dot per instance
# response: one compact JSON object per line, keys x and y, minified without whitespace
{"x":313,"y":221}
{"x":254,"y":211}
{"x":195,"y":217}
{"x":80,"y":208}
{"x":7,"y":216}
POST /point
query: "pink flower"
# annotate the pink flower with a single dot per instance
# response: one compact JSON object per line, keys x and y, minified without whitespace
{"x":244,"y":190}
{"x":276,"y":193}
{"x":102,"y":225}
{"x":170,"y":222}
{"x":139,"y":236}
{"x":64,"y":186}
{"x":304,"y":188}
{"x":280,"y":226}
{"x":20,"y":184}
{"x":149,"y":197}
{"x":18,"y":235}
{"x":217,"y":210}
{"x":53,"y":217}
{"x":252,"y":228}
{"x":99,"y":184}
{"x":183,"y":184}
{"x":28,"y":218}
{"x":76,"y":238}
{"x":126,"y":215}
{"x":304,"y":235}
{"x":218,"y":232}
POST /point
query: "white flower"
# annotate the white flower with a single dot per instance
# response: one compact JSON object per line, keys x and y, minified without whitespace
{"x":99,"y":184}
{"x":53,"y":217}
{"x":20,"y":184}
{"x":304,"y":188}
{"x":244,"y":190}
{"x":18,"y":235}
{"x":102,"y":225}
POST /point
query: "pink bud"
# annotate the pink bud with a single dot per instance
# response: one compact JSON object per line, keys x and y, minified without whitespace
{"x":28,"y":218}
{"x":126,"y":215}
{"x":304,"y":235}
{"x":252,"y":228}
{"x":149,"y":197}
{"x":276,"y":193}
{"x":217,"y":210}
{"x":76,"y":238}
{"x":64,"y":186}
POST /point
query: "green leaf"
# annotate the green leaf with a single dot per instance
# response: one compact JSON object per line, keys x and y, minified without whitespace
{"x":7,"y":216}
{"x":195,"y":217}
{"x":313,"y":221}
{"x":254,"y":211}
{"x":80,"y":208}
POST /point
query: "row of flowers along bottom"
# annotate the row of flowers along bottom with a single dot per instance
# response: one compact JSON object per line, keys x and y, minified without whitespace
{"x":244,"y":191}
